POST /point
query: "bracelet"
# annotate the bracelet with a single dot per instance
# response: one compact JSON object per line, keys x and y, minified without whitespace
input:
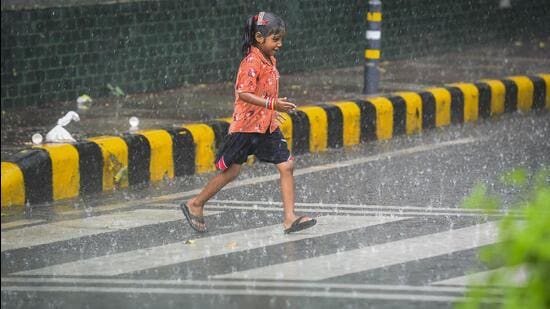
{"x":270,"y":103}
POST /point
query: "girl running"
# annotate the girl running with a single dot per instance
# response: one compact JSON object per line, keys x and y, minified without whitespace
{"x":255,"y":125}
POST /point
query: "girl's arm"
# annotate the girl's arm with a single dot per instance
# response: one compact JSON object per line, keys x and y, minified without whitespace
{"x":280,"y":105}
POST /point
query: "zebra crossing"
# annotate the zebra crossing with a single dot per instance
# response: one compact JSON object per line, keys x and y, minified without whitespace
{"x":142,"y":259}
{"x":257,"y":260}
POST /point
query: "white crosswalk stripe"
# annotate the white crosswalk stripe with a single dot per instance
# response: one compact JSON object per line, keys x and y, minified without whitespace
{"x":142,"y":259}
{"x":517,"y":276}
{"x":371,"y":257}
{"x":64,"y":230}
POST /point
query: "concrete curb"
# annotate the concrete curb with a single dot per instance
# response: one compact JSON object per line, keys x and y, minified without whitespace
{"x":53,"y":172}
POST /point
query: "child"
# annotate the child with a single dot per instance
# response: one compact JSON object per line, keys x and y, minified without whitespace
{"x":255,"y":126}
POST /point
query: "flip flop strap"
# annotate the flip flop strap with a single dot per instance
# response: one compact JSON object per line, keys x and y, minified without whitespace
{"x":193,"y":217}
{"x":297,"y":221}
{"x":196,"y":218}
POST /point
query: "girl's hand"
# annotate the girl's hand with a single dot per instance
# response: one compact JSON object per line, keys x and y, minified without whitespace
{"x":282,"y":105}
{"x":280,"y":118}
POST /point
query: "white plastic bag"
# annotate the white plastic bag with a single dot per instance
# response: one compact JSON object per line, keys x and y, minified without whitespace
{"x":59,"y":134}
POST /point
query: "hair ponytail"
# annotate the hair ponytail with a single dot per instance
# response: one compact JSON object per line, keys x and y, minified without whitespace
{"x":248,"y":35}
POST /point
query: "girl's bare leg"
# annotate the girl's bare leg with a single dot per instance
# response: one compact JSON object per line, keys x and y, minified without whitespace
{"x":196,"y":204}
{"x":286,"y":170}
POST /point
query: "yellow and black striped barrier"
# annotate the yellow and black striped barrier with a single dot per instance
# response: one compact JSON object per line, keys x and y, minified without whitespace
{"x":55,"y":172}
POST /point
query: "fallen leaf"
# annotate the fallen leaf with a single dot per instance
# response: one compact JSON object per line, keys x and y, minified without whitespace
{"x":231,"y":245}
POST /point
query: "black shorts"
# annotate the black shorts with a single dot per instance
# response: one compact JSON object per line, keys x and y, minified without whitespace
{"x":267,"y":147}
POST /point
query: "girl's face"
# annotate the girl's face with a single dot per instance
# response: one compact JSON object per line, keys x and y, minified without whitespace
{"x":271,"y":44}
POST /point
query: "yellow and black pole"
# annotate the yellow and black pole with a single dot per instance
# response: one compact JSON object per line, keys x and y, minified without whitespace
{"x":372,"y":52}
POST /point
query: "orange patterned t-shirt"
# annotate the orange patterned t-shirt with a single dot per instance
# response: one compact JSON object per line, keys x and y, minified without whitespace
{"x":259,"y":76}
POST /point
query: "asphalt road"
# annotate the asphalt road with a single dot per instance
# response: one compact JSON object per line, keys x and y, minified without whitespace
{"x":391,"y":232}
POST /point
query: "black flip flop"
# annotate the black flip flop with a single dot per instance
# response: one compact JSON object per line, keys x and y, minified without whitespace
{"x":191,"y":218}
{"x":298,"y":226}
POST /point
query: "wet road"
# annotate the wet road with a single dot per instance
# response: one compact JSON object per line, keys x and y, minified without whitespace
{"x":390,"y":231}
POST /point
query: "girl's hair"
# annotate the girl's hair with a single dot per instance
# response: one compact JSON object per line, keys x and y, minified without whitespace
{"x":264,"y":22}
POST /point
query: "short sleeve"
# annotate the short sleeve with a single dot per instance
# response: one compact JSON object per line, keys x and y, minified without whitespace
{"x":247,"y":78}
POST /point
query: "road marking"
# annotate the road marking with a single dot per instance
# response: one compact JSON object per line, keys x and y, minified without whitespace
{"x":362,"y":259}
{"x":142,"y":259}
{"x":354,"y":212}
{"x":69,"y":229}
{"x":372,"y":210}
{"x":304,"y":286}
{"x":363,"y":206}
{"x":93,"y":210}
{"x":333,"y":205}
{"x":230,"y":283}
{"x":18,"y":223}
{"x":516,"y":276}
{"x":273,"y":288}
{"x":245,"y":292}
